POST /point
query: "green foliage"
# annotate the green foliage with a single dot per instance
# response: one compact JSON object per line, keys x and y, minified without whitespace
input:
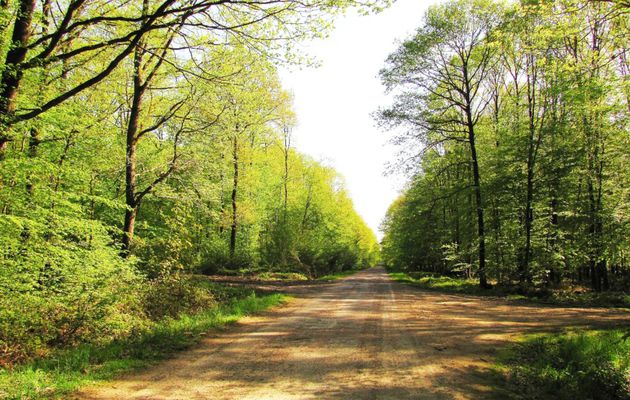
{"x":550,"y":134}
{"x":62,"y":284}
{"x":66,"y":370}
{"x":442,"y":283}
{"x":282,"y":276}
{"x":587,"y":365}
{"x":68,"y":277}
{"x":172,"y":295}
{"x":134,"y":155}
{"x":433,"y":281}
{"x":340,"y":275}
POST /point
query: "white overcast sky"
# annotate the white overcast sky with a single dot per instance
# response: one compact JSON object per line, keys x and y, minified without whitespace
{"x":333,"y":103}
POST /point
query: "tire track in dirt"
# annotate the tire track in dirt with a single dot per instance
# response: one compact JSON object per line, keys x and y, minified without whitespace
{"x":364,"y":337}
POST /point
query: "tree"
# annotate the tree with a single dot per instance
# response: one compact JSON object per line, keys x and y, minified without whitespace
{"x":551,"y":110}
{"x":440,"y":73}
{"x":78,"y":46}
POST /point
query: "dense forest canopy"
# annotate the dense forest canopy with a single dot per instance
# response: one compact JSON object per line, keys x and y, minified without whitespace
{"x":141,"y":141}
{"x":516,"y":116}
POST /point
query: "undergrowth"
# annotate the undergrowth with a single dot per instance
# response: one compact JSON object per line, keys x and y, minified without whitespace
{"x":338,"y":275}
{"x":66,"y":370}
{"x":471,"y":286}
{"x":281,"y":276}
{"x":591,"y":365}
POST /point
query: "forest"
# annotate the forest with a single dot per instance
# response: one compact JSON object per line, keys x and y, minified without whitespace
{"x":152,"y":193}
{"x":513,"y":123}
{"x":146,"y":142}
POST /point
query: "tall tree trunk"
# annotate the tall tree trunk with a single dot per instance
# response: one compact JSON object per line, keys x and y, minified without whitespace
{"x":495,"y":211}
{"x":130,"y":222}
{"x":554,"y":272}
{"x":234,"y":227}
{"x":524,"y":273}
{"x":555,"y":275}
{"x":593,"y":236}
{"x":595,"y":165}
{"x":130,"y":154}
{"x":286,"y":240}
{"x":307,"y":205}
{"x":221,"y":194}
{"x":12,"y":75}
{"x":287,"y":147}
{"x":481,"y":230}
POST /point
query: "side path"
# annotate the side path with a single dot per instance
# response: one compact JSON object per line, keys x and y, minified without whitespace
{"x":364,"y":337}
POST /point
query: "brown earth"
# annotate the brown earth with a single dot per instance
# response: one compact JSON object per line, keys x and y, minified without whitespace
{"x":363,"y":337}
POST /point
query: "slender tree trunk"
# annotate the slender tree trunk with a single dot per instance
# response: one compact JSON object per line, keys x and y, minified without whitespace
{"x":533,"y":141}
{"x":307,"y":205}
{"x":454,"y":206}
{"x":554,"y":273}
{"x":130,"y":195}
{"x":234,"y":227}
{"x":555,"y":267}
{"x":285,"y":238}
{"x":130,"y":154}
{"x":595,"y":163}
{"x":287,"y":147}
{"x":222,"y":196}
{"x":524,"y":273}
{"x":495,"y":212}
{"x":481,"y":230}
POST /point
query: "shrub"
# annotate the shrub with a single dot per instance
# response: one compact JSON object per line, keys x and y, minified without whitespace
{"x":282,"y":276}
{"x":70,"y":287}
{"x":594,"y":365}
{"x":173,"y":295}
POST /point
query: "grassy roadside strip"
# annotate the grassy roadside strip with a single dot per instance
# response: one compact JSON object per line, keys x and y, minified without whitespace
{"x":66,"y":371}
{"x":566,"y":366}
{"x":294,"y":276}
{"x":471,"y":287}
{"x":338,"y":275}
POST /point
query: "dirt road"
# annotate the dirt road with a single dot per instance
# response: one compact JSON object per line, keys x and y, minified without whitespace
{"x":364,"y":337}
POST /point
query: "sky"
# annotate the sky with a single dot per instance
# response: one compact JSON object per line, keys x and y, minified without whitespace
{"x":333,"y":103}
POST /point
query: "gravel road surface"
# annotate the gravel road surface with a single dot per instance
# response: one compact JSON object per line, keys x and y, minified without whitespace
{"x":363,"y":337}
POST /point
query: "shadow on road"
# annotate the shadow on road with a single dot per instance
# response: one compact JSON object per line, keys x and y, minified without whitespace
{"x":364,"y":337}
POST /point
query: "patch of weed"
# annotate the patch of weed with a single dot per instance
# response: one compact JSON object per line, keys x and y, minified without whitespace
{"x":591,"y":365}
{"x":338,"y":275}
{"x":67,"y":370}
{"x":470,"y":286}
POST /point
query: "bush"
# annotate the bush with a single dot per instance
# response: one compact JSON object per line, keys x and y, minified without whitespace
{"x":61,"y":283}
{"x":282,"y":276}
{"x":66,"y":370}
{"x":593,"y":366}
{"x":219,"y":261}
{"x":174,"y":295}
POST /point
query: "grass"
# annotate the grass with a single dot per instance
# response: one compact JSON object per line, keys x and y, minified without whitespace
{"x":282,"y":276}
{"x":576,"y":365}
{"x":338,"y":275}
{"x":443,"y":283}
{"x":66,"y":371}
{"x":471,"y":287}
